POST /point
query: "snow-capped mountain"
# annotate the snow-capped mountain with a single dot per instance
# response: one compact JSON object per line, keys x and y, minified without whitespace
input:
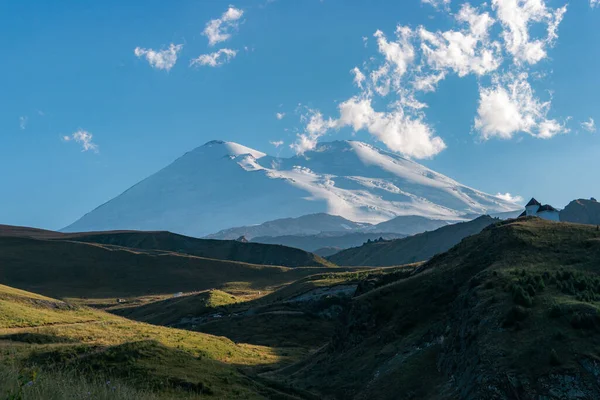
{"x":223,"y":184}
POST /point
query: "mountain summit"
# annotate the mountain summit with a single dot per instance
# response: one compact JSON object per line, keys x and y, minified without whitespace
{"x":224,"y":184}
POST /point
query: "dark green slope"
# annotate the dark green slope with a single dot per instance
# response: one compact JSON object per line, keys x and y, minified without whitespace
{"x":253,"y":253}
{"x":510,"y":313}
{"x":413,"y":248}
{"x":63,"y":268}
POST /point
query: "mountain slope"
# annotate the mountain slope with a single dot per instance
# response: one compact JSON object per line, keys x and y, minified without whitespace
{"x":413,"y":248}
{"x":338,"y":240}
{"x":305,"y":225}
{"x":64,"y":268}
{"x":230,"y":250}
{"x":581,"y":211}
{"x":510,"y":313}
{"x":223,"y":184}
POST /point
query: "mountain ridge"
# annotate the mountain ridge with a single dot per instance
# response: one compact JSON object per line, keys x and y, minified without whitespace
{"x":224,"y":184}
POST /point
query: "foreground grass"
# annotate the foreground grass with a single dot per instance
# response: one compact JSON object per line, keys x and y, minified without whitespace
{"x":53,"y":338}
{"x":31,"y":384}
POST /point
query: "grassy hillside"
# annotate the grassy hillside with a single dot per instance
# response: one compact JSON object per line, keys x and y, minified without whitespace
{"x":48,"y":338}
{"x":231,"y":250}
{"x":512,"y":312}
{"x":172,"y":310}
{"x":413,"y":248}
{"x":61,"y":268}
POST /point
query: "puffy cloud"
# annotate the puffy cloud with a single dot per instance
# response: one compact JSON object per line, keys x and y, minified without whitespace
{"x":359,"y":77}
{"x":465,"y":51}
{"x":589,"y":125}
{"x":216,"y":59}
{"x":400,"y":53}
{"x":316,"y":127}
{"x":276,"y":143}
{"x":218,"y":30}
{"x":84,"y":138}
{"x":398,"y":131}
{"x":280,"y":115}
{"x":508,"y":108}
{"x":516,"y":17}
{"x":160,"y":59}
{"x":23,"y":122}
{"x":510,"y":198}
{"x":594,"y":3}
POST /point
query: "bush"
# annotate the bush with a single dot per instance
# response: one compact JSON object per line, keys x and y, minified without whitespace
{"x":556,"y":311}
{"x":521,"y":297}
{"x":516,"y":315}
{"x":554,"y":359}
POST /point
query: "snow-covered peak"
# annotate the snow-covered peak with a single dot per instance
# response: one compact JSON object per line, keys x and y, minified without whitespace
{"x":220,"y":148}
{"x":224,"y":184}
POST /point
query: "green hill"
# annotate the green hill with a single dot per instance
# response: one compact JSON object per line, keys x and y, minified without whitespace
{"x":56,"y":351}
{"x":510,"y":313}
{"x":171,"y":311}
{"x":230,"y":250}
{"x":412,"y":249}
{"x":64,"y":268}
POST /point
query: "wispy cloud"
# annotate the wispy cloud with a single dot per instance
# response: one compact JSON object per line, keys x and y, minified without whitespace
{"x":23,"y":122}
{"x":594,"y":3}
{"x":84,"y":138}
{"x":216,"y":59}
{"x":510,"y":198}
{"x":219,"y":30}
{"x":160,"y":59}
{"x":276,"y":143}
{"x":280,"y":115}
{"x":589,"y":125}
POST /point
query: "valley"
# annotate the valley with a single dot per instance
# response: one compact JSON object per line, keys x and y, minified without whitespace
{"x":493,"y":309}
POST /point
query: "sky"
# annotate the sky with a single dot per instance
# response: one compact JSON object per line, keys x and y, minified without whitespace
{"x":502,"y":96}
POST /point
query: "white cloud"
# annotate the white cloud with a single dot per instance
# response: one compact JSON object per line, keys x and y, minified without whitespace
{"x":594,"y":3}
{"x":466,"y":51}
{"x":216,"y":59}
{"x":510,"y":198}
{"x":428,"y":83}
{"x":589,"y":125}
{"x":84,"y":138}
{"x":437,"y":3}
{"x":277,"y":143}
{"x":359,"y":77}
{"x":516,"y":17}
{"x":398,"y":131}
{"x":316,"y":127}
{"x":280,"y":115}
{"x":510,"y":107}
{"x":218,"y":30}
{"x":23,"y":122}
{"x":161,"y":59}
{"x":401,"y":53}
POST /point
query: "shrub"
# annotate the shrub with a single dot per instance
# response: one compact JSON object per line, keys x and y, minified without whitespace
{"x":516,"y":315}
{"x":554,"y":359}
{"x":521,"y":297}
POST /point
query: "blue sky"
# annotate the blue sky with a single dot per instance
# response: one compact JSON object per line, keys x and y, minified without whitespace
{"x":505,"y":116}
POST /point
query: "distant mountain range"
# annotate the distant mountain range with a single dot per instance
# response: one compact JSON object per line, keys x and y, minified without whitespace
{"x":223,"y":184}
{"x":333,"y":240}
{"x":413,"y":248}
